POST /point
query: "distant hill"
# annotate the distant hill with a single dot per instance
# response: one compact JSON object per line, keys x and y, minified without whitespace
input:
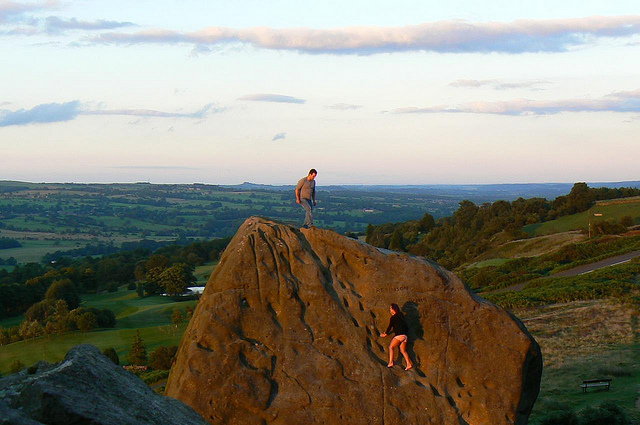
{"x":474,"y":192}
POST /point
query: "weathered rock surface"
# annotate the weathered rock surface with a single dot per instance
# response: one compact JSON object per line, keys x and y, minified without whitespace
{"x":86,"y":388}
{"x":287,"y":332}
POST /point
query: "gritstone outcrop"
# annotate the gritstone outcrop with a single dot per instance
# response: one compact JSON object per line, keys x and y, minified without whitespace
{"x":86,"y":388}
{"x":287,"y":332}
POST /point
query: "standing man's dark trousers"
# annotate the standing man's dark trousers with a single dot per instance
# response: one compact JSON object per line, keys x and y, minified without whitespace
{"x":308,"y":208}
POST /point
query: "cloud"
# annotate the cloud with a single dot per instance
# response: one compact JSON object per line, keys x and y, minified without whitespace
{"x":343,"y":106}
{"x":150,"y":113}
{"x":279,"y":136}
{"x":59,"y":112}
{"x":267,"y":97}
{"x":45,"y":113}
{"x":453,"y":36}
{"x":11,"y":11}
{"x":55,"y":24}
{"x":154,"y":167}
{"x":500,"y":85}
{"x":623,"y":101}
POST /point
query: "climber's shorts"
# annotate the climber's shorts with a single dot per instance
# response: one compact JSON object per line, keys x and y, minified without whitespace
{"x":401,"y":338}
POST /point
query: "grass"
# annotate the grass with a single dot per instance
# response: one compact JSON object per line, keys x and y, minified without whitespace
{"x":203,"y":272}
{"x":581,"y":220}
{"x":488,"y":263}
{"x":54,"y":349}
{"x":560,"y":385}
{"x":532,"y":247}
{"x":32,"y":251}
{"x":152,"y":315}
{"x":585,"y":340}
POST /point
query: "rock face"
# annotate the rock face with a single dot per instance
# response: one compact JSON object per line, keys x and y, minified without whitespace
{"x":86,"y":388}
{"x":287,"y":332}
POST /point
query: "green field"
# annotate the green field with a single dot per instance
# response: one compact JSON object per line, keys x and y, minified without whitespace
{"x":581,"y":220}
{"x":152,"y":315}
{"x":560,"y":387}
{"x":32,"y":251}
{"x":487,"y":263}
{"x":203,"y":272}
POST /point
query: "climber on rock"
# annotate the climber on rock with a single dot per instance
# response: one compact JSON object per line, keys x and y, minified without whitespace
{"x":398,"y":325}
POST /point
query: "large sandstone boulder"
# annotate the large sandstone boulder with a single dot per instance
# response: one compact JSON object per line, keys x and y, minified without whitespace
{"x":288,"y":332}
{"x":86,"y":388}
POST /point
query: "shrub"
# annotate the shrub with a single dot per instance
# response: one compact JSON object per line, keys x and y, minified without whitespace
{"x":16,"y":366}
{"x":567,"y":417}
{"x":162,"y":357}
{"x":608,"y":413}
{"x":132,"y":286}
{"x":112,"y":286}
{"x":616,"y":371}
{"x":627,"y":221}
{"x":111,"y":353}
{"x":154,"y":376}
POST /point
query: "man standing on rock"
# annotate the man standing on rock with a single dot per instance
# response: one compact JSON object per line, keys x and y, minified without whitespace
{"x":306,"y":196}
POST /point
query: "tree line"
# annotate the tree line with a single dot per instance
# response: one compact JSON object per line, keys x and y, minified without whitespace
{"x":167,"y":269}
{"x":473,"y":229}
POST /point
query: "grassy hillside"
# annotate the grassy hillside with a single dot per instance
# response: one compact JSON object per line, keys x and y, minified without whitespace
{"x":609,"y":211}
{"x":578,"y":344}
{"x":152,"y":315}
{"x":532,"y":247}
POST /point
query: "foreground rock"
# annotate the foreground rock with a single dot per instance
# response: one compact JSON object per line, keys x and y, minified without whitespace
{"x":287,"y":332}
{"x":86,"y":388}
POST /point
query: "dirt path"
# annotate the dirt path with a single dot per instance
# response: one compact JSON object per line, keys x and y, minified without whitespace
{"x":584,"y":269}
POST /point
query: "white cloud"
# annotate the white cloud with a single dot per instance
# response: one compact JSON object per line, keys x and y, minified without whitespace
{"x":500,"y":84}
{"x":453,"y":36}
{"x":279,"y":136}
{"x":55,"y":24}
{"x":268,"y":97}
{"x":623,"y":101}
{"x":59,"y":112}
{"x":343,"y":106}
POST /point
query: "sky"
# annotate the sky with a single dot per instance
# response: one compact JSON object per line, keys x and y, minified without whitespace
{"x":366,"y":92}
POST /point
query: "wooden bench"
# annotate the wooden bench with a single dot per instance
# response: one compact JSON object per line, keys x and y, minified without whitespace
{"x":606,"y":382}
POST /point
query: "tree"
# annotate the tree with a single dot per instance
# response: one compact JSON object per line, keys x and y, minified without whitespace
{"x":426,"y":223}
{"x":50,"y":328}
{"x":40,"y":311}
{"x":157,"y":261}
{"x":61,"y":317}
{"x":162,"y":357}
{"x":138,"y":353}
{"x":189,"y":311}
{"x":152,"y":285}
{"x":64,"y":289}
{"x":176,"y":278}
{"x":111,"y":353}
{"x":397,"y":242}
{"x":369,"y":233}
{"x":87,"y":322}
{"x":177,"y":317}
{"x":140,"y":289}
{"x":35,"y":329}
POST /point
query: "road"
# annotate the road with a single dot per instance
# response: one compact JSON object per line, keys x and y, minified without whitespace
{"x":576,"y":271}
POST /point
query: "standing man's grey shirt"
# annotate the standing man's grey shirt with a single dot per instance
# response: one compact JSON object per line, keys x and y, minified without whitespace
{"x":307,"y":188}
